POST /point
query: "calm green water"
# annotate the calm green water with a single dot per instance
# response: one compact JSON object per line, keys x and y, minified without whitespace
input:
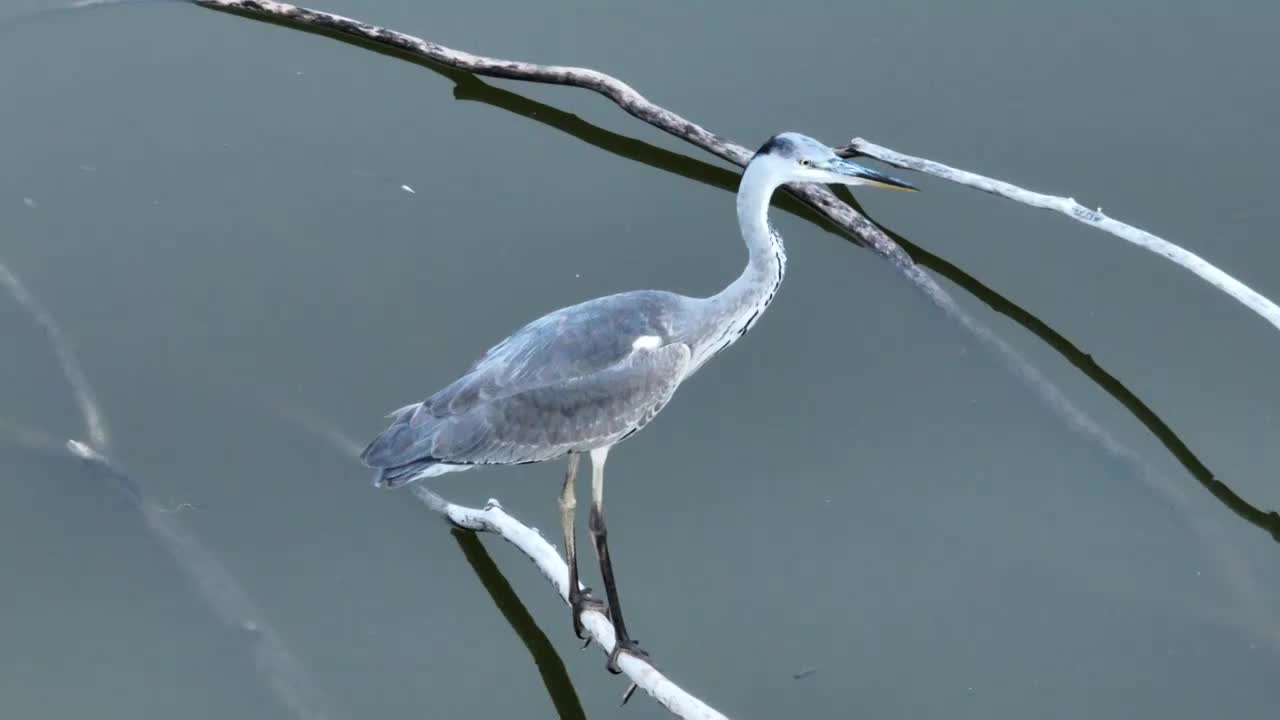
{"x":859,"y":493}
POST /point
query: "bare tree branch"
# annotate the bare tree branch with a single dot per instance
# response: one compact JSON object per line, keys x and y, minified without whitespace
{"x":1202,"y":268}
{"x":492,"y":518}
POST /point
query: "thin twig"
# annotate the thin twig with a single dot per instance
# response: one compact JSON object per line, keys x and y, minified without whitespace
{"x":1202,"y":268}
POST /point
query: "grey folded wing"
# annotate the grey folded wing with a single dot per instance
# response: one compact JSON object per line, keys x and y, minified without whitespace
{"x":576,"y":414}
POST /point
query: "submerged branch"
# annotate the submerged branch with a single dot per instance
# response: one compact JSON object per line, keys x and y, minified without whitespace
{"x":272,"y":660}
{"x":89,"y":410}
{"x":1200,"y":267}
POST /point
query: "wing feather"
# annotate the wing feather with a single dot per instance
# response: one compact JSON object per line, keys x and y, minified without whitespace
{"x":567,"y":380}
{"x":572,"y":342}
{"x":579,"y":413}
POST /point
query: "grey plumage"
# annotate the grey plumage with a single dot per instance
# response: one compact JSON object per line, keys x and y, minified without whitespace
{"x":583,"y":378}
{"x":570,"y":380}
{"x":589,"y":375}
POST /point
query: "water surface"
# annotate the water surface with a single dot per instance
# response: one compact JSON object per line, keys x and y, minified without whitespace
{"x":858,"y":489}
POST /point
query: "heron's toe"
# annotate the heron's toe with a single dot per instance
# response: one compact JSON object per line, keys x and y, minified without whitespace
{"x":579,"y":603}
{"x":629,"y":647}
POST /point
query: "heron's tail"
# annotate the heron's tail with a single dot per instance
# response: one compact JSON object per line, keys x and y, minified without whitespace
{"x":394,"y":477}
{"x":397,"y":453}
{"x":397,"y":445}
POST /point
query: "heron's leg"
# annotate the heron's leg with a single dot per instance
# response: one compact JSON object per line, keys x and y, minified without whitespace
{"x":579,"y":598}
{"x":599,"y":534}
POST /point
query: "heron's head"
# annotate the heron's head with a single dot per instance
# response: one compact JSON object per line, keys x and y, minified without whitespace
{"x":797,"y":158}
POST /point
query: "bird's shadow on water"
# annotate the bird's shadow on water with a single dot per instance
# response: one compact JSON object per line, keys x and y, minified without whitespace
{"x":554,"y":675}
{"x":471,"y":88}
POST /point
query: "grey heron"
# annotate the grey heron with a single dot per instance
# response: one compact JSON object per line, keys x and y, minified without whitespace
{"x":583,"y":378}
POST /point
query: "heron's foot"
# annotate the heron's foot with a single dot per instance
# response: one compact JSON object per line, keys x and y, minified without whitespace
{"x":630,"y":647}
{"x":579,"y":602}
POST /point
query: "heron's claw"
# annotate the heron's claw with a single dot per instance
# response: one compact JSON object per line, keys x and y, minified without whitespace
{"x":580,"y":601}
{"x":630,"y":647}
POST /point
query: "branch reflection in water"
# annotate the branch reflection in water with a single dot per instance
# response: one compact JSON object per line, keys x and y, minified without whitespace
{"x":554,"y":675}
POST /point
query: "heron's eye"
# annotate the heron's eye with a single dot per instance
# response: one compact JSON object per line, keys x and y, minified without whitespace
{"x":806,"y":163}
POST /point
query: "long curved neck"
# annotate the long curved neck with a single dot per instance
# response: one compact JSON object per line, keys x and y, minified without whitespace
{"x":730,"y":313}
{"x":764,"y":246}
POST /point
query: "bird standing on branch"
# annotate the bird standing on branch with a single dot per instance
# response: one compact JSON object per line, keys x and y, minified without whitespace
{"x":583,"y":378}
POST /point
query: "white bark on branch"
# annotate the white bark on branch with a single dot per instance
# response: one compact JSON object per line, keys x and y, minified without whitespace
{"x":1202,"y":268}
{"x":492,"y":518}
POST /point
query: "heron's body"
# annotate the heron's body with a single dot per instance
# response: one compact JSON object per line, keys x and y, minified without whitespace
{"x":580,"y":378}
{"x":584,"y":377}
